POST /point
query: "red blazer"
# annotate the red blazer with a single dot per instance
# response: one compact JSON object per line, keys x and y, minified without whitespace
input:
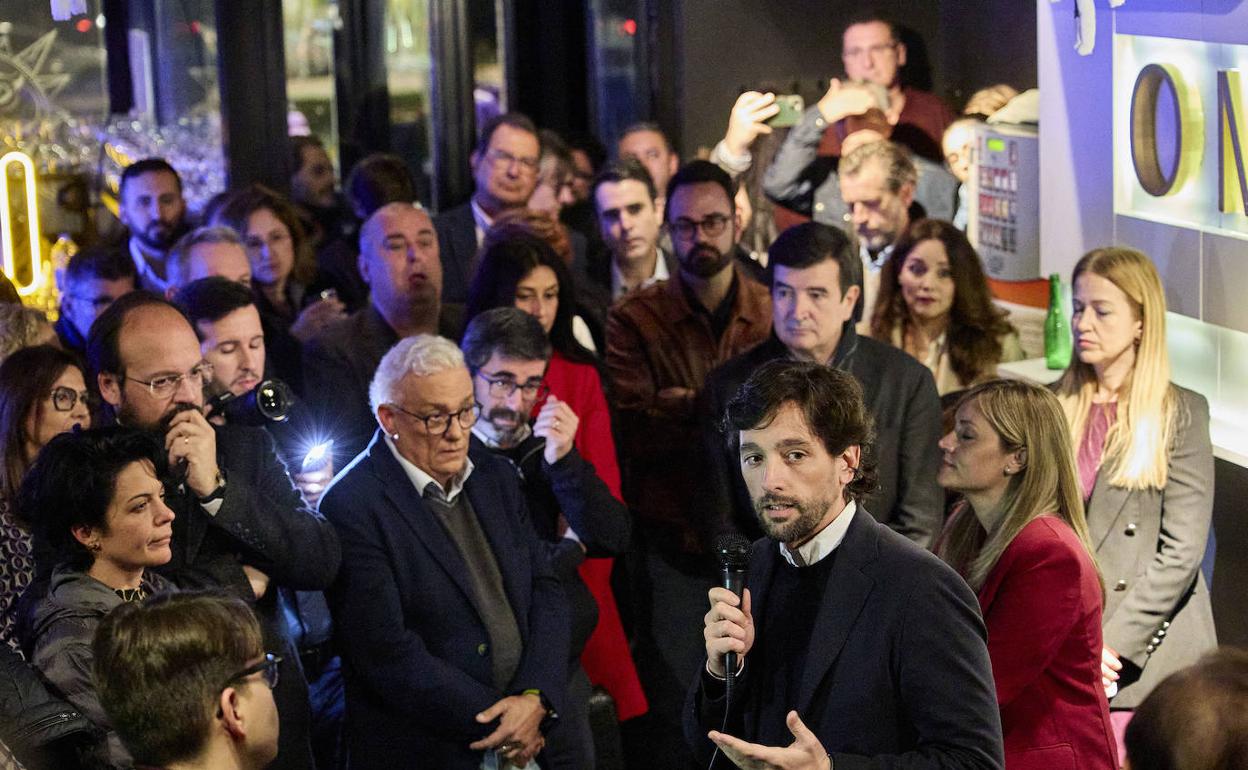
{"x":606,"y":656}
{"x":1042,"y":605}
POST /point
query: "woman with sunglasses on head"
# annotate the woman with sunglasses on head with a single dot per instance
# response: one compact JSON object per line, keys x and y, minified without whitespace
{"x":98,"y":498}
{"x":42,"y":394}
{"x":1145,"y":465}
{"x":525,"y":272}
{"x":1020,"y":540}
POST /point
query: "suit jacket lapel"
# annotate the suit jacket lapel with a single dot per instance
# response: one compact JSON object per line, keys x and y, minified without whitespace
{"x":843,"y":600}
{"x":410,"y":506}
{"x":1104,"y":507}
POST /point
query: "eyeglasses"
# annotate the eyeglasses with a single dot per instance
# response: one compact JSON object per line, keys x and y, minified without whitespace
{"x":64,"y":399}
{"x":166,"y":385}
{"x":879,"y":49}
{"x":504,"y":159}
{"x":439,"y":424}
{"x":254,"y":243}
{"x":503,"y":387}
{"x":712,"y":225}
{"x":267,"y":666}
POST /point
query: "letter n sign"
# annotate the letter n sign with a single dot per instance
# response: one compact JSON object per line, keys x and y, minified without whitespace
{"x":1232,"y":188}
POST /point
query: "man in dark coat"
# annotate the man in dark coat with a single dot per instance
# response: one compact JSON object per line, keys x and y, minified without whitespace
{"x":851,"y":646}
{"x":814,"y":288}
{"x":452,"y":627}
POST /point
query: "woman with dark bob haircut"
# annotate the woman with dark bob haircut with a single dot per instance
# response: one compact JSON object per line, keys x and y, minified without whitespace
{"x":525,"y":272}
{"x":934,"y":304}
{"x":98,"y":498}
{"x":42,"y":393}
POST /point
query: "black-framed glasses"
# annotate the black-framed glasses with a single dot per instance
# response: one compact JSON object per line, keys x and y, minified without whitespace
{"x":712,"y":224}
{"x":64,"y":399}
{"x":503,"y":387}
{"x":166,"y":385}
{"x":439,"y":423}
{"x":267,"y":666}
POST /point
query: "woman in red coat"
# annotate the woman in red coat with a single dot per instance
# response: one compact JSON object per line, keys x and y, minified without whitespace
{"x":1021,"y":541}
{"x":537,"y":281}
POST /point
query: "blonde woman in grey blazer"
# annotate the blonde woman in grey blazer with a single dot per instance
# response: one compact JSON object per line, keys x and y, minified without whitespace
{"x":1146,"y":467}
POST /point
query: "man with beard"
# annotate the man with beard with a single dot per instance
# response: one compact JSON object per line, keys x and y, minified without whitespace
{"x":815,"y":276}
{"x":662,"y":341}
{"x":400,"y":262}
{"x":505,"y":165}
{"x":570,"y":507}
{"x":855,"y":647}
{"x":151,"y":207}
{"x":240,"y":524}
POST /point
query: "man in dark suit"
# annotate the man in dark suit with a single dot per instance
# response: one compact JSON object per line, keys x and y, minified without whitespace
{"x":626,"y":202}
{"x":505,"y":165}
{"x":814,"y":288}
{"x":844,"y":625}
{"x":241,"y":526}
{"x":401,"y":263}
{"x":453,"y":629}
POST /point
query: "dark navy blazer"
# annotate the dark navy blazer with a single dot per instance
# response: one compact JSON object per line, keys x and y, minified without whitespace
{"x":416,"y":655}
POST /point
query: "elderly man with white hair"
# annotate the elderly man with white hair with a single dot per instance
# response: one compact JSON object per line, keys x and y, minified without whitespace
{"x":453,"y":629}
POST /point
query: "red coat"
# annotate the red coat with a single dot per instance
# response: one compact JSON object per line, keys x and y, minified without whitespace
{"x":606,"y":656}
{"x":1042,"y":606}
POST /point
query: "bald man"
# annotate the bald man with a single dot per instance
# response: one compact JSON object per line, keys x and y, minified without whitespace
{"x":400,"y":262}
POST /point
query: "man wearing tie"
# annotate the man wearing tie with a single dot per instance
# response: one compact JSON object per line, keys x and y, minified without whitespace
{"x":857,"y":648}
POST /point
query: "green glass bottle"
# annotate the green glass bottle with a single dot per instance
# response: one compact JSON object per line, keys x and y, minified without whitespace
{"x":1057,"y":342}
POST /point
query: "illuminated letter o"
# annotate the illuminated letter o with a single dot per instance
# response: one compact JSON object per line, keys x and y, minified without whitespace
{"x":1155,"y":180}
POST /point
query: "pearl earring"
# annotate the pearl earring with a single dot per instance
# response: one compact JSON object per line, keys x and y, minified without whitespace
{"x":394,"y":436}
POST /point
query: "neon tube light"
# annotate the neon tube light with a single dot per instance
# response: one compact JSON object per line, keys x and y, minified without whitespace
{"x":6,"y":224}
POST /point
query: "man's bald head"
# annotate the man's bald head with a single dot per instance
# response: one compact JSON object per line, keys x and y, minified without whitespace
{"x":399,"y":259}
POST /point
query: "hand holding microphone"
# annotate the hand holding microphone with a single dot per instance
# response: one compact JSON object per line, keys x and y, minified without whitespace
{"x":729,"y":630}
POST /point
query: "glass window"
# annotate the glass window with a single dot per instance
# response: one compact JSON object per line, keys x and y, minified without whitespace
{"x":408,"y":77}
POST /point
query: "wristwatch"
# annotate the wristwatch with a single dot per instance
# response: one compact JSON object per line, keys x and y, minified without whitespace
{"x":551,"y":717}
{"x":218,"y":493}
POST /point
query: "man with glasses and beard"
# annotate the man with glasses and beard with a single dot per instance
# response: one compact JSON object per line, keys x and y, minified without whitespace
{"x":570,"y":507}
{"x":662,"y":341}
{"x":151,"y":206}
{"x":240,"y":524}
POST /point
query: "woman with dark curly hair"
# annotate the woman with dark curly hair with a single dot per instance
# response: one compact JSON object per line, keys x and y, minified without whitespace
{"x":934,"y":304}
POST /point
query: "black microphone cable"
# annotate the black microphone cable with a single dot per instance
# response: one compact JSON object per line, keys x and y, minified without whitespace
{"x":733,"y":553}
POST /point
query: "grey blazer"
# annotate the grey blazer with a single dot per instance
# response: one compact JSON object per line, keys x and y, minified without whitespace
{"x":1149,"y":545}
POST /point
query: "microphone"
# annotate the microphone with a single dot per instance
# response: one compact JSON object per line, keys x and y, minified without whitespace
{"x":733,"y":552}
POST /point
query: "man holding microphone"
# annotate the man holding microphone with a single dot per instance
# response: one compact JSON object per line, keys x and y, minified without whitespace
{"x":855,"y":647}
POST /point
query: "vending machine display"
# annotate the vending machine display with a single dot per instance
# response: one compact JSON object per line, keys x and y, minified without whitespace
{"x":1004,"y":201}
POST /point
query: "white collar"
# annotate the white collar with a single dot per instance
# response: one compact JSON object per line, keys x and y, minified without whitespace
{"x":147,"y":273}
{"x":482,"y":220}
{"x":485,"y":431}
{"x":420,"y":479}
{"x":660,"y":274}
{"x":824,"y":543}
{"x":873,"y":264}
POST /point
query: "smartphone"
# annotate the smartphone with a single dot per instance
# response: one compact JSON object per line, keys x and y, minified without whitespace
{"x":791,"y":107}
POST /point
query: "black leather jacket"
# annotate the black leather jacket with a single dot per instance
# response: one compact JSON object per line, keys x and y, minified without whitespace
{"x":40,"y":729}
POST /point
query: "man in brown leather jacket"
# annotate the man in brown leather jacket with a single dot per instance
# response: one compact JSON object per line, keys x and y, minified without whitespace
{"x":662,"y":341}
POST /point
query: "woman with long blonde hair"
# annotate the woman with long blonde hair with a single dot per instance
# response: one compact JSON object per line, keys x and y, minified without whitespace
{"x":1021,"y":541}
{"x":1145,"y":467}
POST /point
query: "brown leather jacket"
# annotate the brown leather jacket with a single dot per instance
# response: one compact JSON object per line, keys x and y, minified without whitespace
{"x":655,"y":340}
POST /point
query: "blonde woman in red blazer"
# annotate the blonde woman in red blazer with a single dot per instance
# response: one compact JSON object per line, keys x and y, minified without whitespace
{"x":1021,"y":541}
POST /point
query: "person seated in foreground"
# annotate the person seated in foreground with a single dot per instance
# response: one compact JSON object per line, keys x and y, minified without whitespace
{"x":186,"y":682}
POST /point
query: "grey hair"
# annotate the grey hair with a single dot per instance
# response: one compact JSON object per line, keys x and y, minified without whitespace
{"x":20,"y":327}
{"x":178,"y":266}
{"x":898,"y":167}
{"x":421,"y":355}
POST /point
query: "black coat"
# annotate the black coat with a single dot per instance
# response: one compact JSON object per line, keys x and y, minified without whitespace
{"x":43,"y":731}
{"x":901,"y":397}
{"x":897,"y":674}
{"x":415,"y":651}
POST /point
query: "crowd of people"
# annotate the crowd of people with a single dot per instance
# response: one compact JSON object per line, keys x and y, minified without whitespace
{"x":483,"y":530}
